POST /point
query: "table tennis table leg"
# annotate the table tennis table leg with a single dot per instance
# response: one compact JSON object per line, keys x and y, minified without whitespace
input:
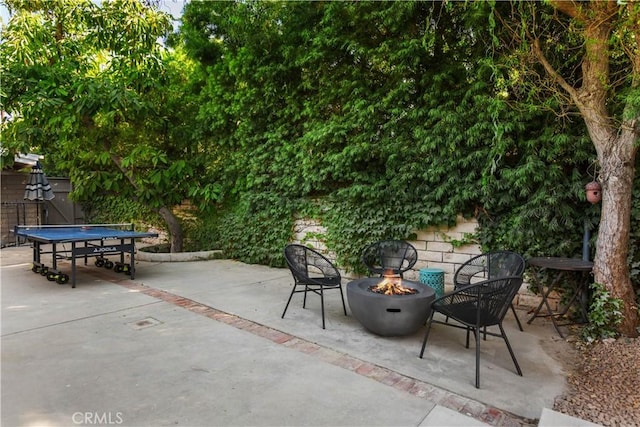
{"x":73,"y":264}
{"x":54,"y":256}
{"x":122,"y":252}
{"x":36,"y":252}
{"x":132,"y":267}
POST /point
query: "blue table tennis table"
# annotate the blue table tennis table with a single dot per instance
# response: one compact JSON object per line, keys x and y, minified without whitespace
{"x":81,"y":241}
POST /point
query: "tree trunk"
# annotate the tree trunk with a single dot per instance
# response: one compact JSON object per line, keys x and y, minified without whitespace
{"x":615,"y":145}
{"x":175,"y":229}
{"x":616,"y":156}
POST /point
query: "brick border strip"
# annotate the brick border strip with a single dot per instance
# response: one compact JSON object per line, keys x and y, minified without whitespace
{"x":472,"y":408}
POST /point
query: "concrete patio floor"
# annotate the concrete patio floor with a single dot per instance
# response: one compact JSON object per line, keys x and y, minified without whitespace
{"x":202,"y":343}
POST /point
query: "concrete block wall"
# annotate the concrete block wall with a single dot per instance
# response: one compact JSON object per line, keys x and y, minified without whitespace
{"x":444,"y":248}
{"x":308,"y":231}
{"x":438,"y":247}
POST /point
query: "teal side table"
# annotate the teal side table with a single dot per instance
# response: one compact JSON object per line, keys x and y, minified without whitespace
{"x":434,"y":278}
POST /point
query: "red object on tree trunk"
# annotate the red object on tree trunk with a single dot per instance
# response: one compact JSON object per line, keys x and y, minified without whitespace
{"x":594,"y":192}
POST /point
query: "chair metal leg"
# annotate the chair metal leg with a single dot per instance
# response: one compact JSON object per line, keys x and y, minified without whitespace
{"x":513,"y":356}
{"x":320,"y":292}
{"x":304,"y":300}
{"x":321,"y":303}
{"x":426,"y":335}
{"x":289,"y":300}
{"x":517,"y":318}
{"x":476,"y":333}
{"x":344,"y":307}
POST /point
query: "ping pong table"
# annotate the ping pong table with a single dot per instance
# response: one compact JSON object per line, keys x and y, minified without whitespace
{"x":81,"y":241}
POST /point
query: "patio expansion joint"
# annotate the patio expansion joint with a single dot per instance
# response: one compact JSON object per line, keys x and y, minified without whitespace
{"x":78,"y":319}
{"x":469,"y":407}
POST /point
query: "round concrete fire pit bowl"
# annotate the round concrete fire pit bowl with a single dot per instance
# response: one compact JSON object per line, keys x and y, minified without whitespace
{"x":389,"y":315}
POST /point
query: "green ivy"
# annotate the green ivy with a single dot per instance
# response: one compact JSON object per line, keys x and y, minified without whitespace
{"x":201,"y":232}
{"x":114,"y":210}
{"x":604,"y":315}
{"x":378,"y":119}
{"x":255,"y":228}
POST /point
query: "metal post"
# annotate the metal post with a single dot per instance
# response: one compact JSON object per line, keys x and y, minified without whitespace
{"x":585,"y":240}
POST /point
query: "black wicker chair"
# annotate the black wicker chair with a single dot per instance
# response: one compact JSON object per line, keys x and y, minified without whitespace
{"x":489,"y":266}
{"x":477,"y":306}
{"x":313,"y":273}
{"x":389,"y":257}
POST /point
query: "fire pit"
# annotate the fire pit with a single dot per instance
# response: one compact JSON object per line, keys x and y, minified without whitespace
{"x":391,"y":314}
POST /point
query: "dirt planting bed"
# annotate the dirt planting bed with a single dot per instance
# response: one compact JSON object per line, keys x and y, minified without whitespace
{"x":604,"y":384}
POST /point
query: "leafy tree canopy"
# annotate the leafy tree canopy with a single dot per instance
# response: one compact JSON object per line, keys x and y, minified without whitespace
{"x":92,"y":88}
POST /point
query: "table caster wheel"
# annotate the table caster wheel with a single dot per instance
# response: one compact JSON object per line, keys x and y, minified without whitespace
{"x":62,"y":279}
{"x":108,"y":264}
{"x":99,"y":262}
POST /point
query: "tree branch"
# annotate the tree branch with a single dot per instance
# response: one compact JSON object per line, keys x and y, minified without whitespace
{"x":555,"y":76}
{"x":117,"y":161}
{"x":568,"y":7}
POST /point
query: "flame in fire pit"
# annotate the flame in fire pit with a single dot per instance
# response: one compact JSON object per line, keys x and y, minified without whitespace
{"x":392,"y":285}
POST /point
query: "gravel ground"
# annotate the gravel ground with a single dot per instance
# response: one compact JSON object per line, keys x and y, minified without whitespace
{"x":604,"y":384}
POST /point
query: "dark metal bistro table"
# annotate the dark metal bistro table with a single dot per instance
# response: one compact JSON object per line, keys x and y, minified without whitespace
{"x":561,"y":266}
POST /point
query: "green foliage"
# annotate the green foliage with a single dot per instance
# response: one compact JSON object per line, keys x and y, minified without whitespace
{"x":255,"y":228}
{"x":200,"y":228}
{"x":605,"y":314}
{"x":378,"y":118}
{"x":467,"y":239}
{"x":201,"y":233}
{"x":353,"y":226}
{"x":115,"y":210}
{"x":548,"y":30}
{"x":341,"y":115}
{"x":92,"y":89}
{"x":389,"y":114}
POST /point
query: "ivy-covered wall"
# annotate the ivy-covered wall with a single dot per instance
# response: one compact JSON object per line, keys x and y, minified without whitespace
{"x":378,"y":119}
{"x":444,"y":247}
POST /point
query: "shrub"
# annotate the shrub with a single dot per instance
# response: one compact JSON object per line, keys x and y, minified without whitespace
{"x":604,"y":315}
